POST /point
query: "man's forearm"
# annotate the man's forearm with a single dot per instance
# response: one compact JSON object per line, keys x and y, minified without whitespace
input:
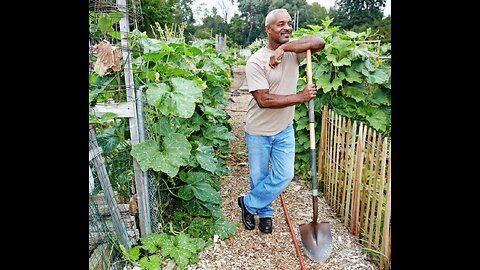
{"x":313,"y":43}
{"x":267,"y":100}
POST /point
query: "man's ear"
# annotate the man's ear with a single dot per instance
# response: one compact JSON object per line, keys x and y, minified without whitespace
{"x":268,"y":28}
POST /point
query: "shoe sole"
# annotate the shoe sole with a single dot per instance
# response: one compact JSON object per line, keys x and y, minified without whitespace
{"x":264,"y":231}
{"x":240,"y":203}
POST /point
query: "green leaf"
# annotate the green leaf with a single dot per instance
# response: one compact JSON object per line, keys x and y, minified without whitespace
{"x":108,"y":140}
{"x":323,"y":82}
{"x":337,"y":81}
{"x":176,"y":153}
{"x":378,"y":119}
{"x":360,"y":53}
{"x":378,"y":76}
{"x":206,"y":157}
{"x":151,"y":262}
{"x":354,"y":92}
{"x":134,"y":253}
{"x":224,"y":229}
{"x":151,"y":242}
{"x":352,"y":75}
{"x":167,"y":244}
{"x":198,"y":207}
{"x":185,"y":192}
{"x":204,"y":192}
{"x":343,"y":62}
{"x":108,"y":116}
{"x":380,"y":97}
{"x":181,"y":248}
{"x":153,"y":45}
{"x":106,"y":20}
{"x":218,"y":131}
{"x":178,"y":100}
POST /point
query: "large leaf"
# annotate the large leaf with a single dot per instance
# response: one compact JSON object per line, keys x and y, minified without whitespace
{"x":185,"y":192}
{"x":218,"y":131}
{"x":223,"y":228}
{"x":204,"y":192}
{"x":181,"y":248}
{"x":355,"y":92}
{"x":378,"y":76}
{"x":360,"y":53}
{"x":352,"y":75}
{"x":178,"y":99}
{"x":151,"y":262}
{"x":175,"y":154}
{"x":205,"y":155}
{"x":378,"y":119}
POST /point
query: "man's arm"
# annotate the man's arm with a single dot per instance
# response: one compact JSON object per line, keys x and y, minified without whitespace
{"x":313,"y":43}
{"x":266,"y":100}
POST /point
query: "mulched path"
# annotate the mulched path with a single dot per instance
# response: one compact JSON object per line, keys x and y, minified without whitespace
{"x":254,"y":250}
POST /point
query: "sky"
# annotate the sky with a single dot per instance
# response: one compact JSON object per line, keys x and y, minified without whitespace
{"x":325,"y":3}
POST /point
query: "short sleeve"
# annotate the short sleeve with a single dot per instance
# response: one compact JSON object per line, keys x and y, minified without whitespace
{"x":255,"y":77}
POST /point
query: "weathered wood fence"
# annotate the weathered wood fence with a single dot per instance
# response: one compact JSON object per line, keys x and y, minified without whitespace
{"x":355,"y":169}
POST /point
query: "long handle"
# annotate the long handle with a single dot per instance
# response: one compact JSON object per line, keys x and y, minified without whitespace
{"x":313,"y":156}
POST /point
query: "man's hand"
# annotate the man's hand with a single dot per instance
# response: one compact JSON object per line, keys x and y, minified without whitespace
{"x":276,"y":58}
{"x":309,"y":92}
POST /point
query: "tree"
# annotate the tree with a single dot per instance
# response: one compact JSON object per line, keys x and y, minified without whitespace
{"x":315,"y":14}
{"x":160,"y":11}
{"x":255,"y":11}
{"x":352,"y":13}
{"x":212,"y":24}
{"x":238,"y":30}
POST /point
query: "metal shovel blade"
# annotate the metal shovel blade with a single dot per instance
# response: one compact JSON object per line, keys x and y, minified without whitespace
{"x":316,"y":240}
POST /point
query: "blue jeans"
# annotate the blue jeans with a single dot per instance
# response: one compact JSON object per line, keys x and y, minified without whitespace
{"x":267,"y":183}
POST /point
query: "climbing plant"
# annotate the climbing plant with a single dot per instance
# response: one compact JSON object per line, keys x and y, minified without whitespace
{"x":354,"y":80}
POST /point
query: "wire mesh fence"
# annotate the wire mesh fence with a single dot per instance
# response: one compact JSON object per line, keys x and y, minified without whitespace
{"x":111,"y":221}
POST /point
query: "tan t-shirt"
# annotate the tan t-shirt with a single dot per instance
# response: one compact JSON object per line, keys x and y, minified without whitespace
{"x":282,"y":80}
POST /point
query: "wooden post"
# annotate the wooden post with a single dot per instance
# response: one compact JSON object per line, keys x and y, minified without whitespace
{"x":381,"y":189}
{"x":140,"y":176}
{"x":386,"y":223}
{"x":350,"y":168}
{"x":365,"y":176}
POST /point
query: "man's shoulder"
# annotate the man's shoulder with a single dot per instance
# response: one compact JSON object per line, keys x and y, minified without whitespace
{"x":258,"y":57}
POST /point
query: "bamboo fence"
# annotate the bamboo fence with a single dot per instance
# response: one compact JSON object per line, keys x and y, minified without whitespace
{"x":354,"y":166}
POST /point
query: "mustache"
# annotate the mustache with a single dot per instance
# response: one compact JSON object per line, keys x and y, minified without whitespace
{"x":286,"y":32}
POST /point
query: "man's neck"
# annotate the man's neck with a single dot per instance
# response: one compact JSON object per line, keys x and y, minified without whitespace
{"x":272,"y":45}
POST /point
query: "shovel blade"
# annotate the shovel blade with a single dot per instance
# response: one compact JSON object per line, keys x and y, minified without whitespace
{"x":316,"y":240}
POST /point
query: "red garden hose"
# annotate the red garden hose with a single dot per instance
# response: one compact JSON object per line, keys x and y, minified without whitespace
{"x":297,"y":248}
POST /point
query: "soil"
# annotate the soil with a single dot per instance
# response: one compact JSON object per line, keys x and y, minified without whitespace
{"x":252,"y":249}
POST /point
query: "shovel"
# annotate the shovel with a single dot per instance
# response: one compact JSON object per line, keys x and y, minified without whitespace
{"x":316,"y":237}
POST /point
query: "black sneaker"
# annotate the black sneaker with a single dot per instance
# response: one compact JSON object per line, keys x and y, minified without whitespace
{"x":266,"y":225}
{"x":247,"y":219}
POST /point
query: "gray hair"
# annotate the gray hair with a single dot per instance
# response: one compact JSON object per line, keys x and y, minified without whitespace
{"x":271,"y":13}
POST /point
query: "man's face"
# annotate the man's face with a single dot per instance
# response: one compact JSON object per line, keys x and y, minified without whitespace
{"x":280,"y":28}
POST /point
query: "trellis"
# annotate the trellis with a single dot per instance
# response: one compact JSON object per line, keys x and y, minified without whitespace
{"x":355,"y":168}
{"x":131,"y":109}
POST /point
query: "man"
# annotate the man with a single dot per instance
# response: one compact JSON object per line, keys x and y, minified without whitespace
{"x":272,"y":73}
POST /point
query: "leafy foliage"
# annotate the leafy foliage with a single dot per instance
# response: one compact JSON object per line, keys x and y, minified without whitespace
{"x":353,"y":80}
{"x":155,"y":248}
{"x":187,"y":137}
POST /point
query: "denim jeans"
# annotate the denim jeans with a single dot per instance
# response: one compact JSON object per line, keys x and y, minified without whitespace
{"x":268,"y":182}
